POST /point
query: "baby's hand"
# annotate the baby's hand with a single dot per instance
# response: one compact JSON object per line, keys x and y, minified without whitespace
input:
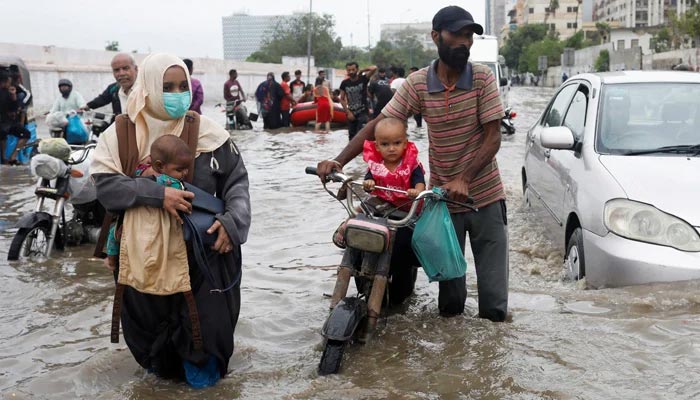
{"x":413,"y":193}
{"x":368,"y":185}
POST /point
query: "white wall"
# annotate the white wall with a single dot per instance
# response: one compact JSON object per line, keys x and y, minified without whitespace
{"x":90,"y":72}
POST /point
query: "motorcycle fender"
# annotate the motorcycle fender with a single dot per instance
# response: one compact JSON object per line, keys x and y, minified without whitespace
{"x":344,"y":319}
{"x":34,"y":219}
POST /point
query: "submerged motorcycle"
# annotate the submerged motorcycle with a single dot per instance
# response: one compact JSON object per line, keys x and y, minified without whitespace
{"x":237,"y":117}
{"x":370,"y":240}
{"x":62,"y":177}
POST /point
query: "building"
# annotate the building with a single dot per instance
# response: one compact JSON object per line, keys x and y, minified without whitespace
{"x":495,"y":17}
{"x":420,"y":30}
{"x":565,"y":19}
{"x":638,"y":13}
{"x":244,"y":34}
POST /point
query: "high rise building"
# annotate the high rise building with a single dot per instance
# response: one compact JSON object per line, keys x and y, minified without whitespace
{"x":244,"y":34}
{"x":419,"y":30}
{"x":638,"y":13}
{"x":495,"y":17}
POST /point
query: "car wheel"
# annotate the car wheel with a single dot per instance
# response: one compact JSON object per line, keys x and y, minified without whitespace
{"x":574,"y":262}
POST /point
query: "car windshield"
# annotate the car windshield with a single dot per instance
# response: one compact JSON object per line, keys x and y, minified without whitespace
{"x":646,"y":117}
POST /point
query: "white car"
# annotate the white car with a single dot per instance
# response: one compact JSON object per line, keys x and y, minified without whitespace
{"x":612,"y":167}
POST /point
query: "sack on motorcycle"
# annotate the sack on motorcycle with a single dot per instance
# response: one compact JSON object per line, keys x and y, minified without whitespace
{"x":205,"y":207}
{"x":435,"y":243}
{"x":82,"y":189}
{"x":76,"y":131}
{"x":47,"y":167}
{"x":367,"y":234}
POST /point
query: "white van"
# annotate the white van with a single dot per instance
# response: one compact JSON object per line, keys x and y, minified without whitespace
{"x":485,"y":51}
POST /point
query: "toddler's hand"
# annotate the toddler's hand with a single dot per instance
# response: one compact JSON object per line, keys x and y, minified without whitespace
{"x":368,"y":185}
{"x":413,"y":193}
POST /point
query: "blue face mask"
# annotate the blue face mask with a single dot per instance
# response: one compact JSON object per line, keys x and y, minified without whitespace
{"x":177,"y":104}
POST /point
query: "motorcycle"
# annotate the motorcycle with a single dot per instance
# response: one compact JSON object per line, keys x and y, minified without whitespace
{"x":507,"y":126}
{"x":237,"y":117}
{"x":63,"y":182}
{"x":370,"y":238}
{"x":97,"y":122}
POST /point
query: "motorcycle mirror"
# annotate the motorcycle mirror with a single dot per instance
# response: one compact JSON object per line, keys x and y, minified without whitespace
{"x":76,"y":173}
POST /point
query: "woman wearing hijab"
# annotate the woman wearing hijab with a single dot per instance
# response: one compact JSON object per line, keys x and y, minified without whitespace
{"x":157,"y":328}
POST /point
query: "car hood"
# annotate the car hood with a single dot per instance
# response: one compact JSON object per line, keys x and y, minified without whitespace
{"x":669,"y":183}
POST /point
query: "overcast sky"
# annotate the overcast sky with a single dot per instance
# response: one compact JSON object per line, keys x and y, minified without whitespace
{"x":188,"y":30}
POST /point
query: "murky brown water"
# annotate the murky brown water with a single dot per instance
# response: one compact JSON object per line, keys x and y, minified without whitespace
{"x":564,"y":342}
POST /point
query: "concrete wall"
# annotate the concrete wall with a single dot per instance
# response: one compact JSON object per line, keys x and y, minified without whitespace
{"x":668,"y":59}
{"x":90,"y":72}
{"x":626,"y":60}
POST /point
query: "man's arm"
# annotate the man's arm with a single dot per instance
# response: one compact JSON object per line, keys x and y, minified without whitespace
{"x":197,"y":97}
{"x":369,"y":71}
{"x":102,"y":100}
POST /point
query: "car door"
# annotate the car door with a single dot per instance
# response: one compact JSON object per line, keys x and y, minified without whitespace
{"x":561,"y":163}
{"x":540,"y":184}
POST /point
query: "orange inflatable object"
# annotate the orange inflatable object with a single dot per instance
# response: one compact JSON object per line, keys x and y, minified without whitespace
{"x":303,"y":113}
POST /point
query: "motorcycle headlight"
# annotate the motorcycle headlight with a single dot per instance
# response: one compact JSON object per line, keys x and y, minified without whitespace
{"x":639,"y":221}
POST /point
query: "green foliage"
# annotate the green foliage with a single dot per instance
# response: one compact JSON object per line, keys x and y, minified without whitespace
{"x":514,"y":45}
{"x":112,"y":45}
{"x":577,"y":41}
{"x":661,"y":41}
{"x":549,"y":47}
{"x":290,"y":39}
{"x":602,"y":63}
{"x":689,"y":23}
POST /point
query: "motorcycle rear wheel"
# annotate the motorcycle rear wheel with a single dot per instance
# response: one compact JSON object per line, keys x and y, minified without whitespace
{"x":332,"y":357}
{"x":29,"y":243}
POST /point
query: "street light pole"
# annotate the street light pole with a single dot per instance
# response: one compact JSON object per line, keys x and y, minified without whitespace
{"x":308,"y":44}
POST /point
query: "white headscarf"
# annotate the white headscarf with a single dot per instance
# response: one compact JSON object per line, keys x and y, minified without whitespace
{"x":146,"y":110}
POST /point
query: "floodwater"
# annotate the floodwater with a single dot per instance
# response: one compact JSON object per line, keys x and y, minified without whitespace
{"x":564,"y":342}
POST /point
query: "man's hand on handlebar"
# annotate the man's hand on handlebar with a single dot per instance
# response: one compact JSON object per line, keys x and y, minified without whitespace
{"x":326,"y":167}
{"x":175,"y":201}
{"x":368,"y":185}
{"x":457,"y":190}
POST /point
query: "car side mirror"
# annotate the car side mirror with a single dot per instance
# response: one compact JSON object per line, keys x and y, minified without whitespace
{"x":557,"y":137}
{"x":503,"y":82}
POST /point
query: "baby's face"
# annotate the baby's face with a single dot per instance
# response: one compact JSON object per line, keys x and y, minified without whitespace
{"x":391,"y":142}
{"x":177,"y":169}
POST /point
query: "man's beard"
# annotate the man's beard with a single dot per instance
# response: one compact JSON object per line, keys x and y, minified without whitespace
{"x":454,"y":57}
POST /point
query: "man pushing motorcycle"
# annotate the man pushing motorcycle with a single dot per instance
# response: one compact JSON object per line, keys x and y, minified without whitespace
{"x":459,"y":101}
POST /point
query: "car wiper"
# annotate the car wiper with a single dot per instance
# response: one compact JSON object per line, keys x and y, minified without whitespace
{"x":682,"y":148}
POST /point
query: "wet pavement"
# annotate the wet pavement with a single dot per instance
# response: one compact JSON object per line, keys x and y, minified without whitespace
{"x":564,"y":342}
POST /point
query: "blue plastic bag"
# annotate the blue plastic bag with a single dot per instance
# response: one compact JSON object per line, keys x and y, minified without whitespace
{"x":435,"y":242}
{"x":76,"y":131}
{"x":23,"y":156}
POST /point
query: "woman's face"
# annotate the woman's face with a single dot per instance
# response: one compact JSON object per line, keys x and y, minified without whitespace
{"x":175,"y":80}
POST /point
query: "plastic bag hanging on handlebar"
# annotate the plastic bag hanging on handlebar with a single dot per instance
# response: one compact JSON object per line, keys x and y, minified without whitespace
{"x":435,"y":242}
{"x":76,"y":131}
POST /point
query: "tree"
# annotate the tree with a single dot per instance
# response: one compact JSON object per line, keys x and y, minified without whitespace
{"x":289,"y":38}
{"x":514,"y":46}
{"x":577,"y":41}
{"x":550,"y":47}
{"x":661,"y":41}
{"x":602,"y":63}
{"x":112,"y":46}
{"x":604,"y":31}
{"x":689,"y":23}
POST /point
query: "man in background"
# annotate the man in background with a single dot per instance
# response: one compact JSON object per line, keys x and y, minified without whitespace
{"x":196,"y":89}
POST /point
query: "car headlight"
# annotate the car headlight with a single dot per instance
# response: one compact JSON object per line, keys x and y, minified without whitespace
{"x":639,"y":221}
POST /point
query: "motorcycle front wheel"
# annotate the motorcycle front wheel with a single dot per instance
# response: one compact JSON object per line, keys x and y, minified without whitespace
{"x":332,"y":357}
{"x":29,"y":243}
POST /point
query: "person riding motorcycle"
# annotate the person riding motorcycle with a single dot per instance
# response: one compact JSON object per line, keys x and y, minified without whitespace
{"x":70,"y":100}
{"x":233,"y":94}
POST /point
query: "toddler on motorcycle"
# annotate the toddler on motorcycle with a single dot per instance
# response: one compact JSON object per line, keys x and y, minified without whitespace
{"x":392,"y":162}
{"x":169,"y":162}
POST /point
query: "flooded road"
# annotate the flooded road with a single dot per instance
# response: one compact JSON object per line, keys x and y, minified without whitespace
{"x":564,"y":342}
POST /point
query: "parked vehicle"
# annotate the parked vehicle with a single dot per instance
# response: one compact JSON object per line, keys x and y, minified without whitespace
{"x":60,"y":181}
{"x":612,"y":168}
{"x":371,"y":237}
{"x":484,"y":50}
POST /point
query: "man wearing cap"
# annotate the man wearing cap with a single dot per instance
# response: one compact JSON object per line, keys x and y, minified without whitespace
{"x":70,"y":100}
{"x":459,"y":101}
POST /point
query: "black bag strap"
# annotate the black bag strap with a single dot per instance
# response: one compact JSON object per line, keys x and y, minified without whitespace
{"x":200,"y":256}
